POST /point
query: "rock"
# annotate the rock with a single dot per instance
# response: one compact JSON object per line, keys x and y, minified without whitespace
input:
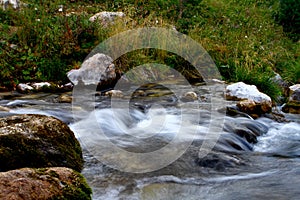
{"x":67,"y":87}
{"x":13,"y":46}
{"x":34,"y":87}
{"x":37,"y":141}
{"x":43,"y":183}
{"x":293,"y":104}
{"x":295,"y":97}
{"x":244,"y":128}
{"x":248,"y":106}
{"x":293,"y":89}
{"x":189,"y":96}
{"x":15,"y":4}
{"x":242,"y":91}
{"x":65,"y":98}
{"x":114,"y":93}
{"x":138,"y":93}
{"x":218,"y":161}
{"x":106,"y":18}
{"x":217,"y":81}
{"x":284,"y":86}
{"x":235,"y":111}
{"x":275,"y":116}
{"x":5,"y":109}
{"x":38,"y":86}
{"x":97,"y":69}
{"x":24,"y":88}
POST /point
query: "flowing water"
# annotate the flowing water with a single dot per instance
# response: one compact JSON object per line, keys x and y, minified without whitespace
{"x":252,"y":159}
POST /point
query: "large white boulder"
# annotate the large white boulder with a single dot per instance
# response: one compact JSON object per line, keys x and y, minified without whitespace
{"x":96,"y":69}
{"x":241,"y":91}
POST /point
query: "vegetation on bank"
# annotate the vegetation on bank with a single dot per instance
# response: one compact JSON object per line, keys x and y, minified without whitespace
{"x":249,"y":40}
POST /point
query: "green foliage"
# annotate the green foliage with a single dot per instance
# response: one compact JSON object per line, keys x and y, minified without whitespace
{"x":144,"y":56}
{"x":289,"y":17}
{"x":236,"y":34}
{"x":48,"y":44}
{"x":244,"y":40}
{"x":290,"y":71}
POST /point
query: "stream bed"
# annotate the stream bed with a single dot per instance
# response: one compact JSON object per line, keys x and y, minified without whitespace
{"x":251,"y":159}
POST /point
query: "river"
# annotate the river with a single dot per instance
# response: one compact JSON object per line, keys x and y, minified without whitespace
{"x":251,"y":159}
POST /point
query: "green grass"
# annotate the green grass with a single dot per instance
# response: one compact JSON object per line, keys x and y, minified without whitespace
{"x":244,"y":38}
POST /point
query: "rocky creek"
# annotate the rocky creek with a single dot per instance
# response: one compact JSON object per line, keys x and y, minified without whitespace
{"x":251,"y":159}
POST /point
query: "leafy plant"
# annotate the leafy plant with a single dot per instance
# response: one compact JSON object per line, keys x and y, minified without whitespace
{"x":289,"y":17}
{"x":40,"y":43}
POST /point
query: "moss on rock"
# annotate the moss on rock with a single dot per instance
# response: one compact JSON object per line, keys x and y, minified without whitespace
{"x":37,"y":141}
{"x":44,"y":183}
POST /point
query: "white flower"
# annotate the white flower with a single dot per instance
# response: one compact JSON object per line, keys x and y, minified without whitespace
{"x":60,"y":8}
{"x":246,"y":36}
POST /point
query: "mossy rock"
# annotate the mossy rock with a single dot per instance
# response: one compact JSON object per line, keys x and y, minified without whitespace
{"x":44,"y":183}
{"x":37,"y":141}
{"x":293,"y":108}
{"x":293,"y":104}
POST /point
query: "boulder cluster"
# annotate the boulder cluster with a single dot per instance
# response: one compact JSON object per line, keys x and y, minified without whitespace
{"x":40,"y":158}
{"x":255,"y":103}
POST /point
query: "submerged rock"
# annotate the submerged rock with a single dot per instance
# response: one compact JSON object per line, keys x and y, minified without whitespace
{"x":189,"y":96}
{"x":43,"y":183}
{"x":37,"y":141}
{"x":114,"y":93}
{"x":253,"y":101}
{"x":218,"y":161}
{"x":293,"y":104}
{"x":65,"y":98}
{"x":4,"y":109}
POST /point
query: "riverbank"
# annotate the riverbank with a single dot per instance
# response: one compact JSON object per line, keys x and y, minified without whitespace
{"x":244,"y":39}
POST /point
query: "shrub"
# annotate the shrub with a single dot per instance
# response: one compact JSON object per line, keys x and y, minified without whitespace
{"x":290,"y":71}
{"x":48,"y":44}
{"x":237,"y":34}
{"x":289,"y":17}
